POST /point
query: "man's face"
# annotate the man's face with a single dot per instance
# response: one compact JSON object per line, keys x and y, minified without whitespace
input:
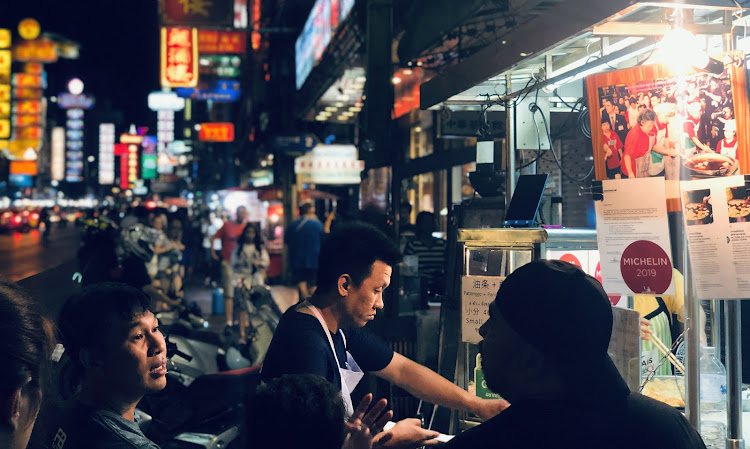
{"x":362,"y":302}
{"x":500,"y":350}
{"x":727,"y":112}
{"x":605,"y":127}
{"x":134,"y":363}
{"x":607,"y":106}
{"x":241,"y":214}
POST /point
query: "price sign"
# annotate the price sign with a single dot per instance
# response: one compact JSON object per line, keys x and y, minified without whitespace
{"x":477,"y":292}
{"x":646,"y":268}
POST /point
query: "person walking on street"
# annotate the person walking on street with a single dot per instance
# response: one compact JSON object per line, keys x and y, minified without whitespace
{"x":229,"y":234}
{"x":304,"y":237}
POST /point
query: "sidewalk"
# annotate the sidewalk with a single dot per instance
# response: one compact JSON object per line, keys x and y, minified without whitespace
{"x":195,"y":291}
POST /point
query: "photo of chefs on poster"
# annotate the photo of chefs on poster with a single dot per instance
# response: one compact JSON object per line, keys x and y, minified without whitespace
{"x":677,"y":127}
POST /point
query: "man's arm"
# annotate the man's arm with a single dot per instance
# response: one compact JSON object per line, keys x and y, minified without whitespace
{"x":429,"y":386}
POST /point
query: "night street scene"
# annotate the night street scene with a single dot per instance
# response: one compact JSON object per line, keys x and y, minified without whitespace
{"x":374,"y":223}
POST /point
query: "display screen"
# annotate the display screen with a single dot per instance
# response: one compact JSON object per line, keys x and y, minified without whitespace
{"x":526,"y":199}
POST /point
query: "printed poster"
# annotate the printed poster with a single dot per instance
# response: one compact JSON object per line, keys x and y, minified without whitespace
{"x":633,"y":237}
{"x":716,"y":214}
{"x":477,"y":292}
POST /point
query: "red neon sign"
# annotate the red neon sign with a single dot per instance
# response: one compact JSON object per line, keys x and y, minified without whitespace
{"x":216,"y":132}
{"x":179,"y":57}
{"x":221,"y":42}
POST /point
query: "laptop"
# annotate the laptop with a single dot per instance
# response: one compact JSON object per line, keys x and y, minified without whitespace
{"x":525,"y":202}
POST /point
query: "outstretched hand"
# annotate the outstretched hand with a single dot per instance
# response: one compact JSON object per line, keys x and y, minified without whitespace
{"x":364,"y":424}
{"x":489,"y":408}
{"x":406,"y":434}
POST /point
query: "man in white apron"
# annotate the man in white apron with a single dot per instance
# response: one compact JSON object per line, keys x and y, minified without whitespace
{"x":323,"y":335}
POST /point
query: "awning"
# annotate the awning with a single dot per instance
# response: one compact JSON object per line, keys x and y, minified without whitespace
{"x":567,"y":39}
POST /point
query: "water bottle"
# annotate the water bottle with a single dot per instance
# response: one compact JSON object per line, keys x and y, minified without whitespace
{"x":713,"y":397}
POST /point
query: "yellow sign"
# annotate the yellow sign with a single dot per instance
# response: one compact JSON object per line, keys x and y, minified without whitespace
{"x":19,"y":146}
{"x":5,"y":61}
{"x":29,"y":29}
{"x":4,"y":144}
{"x":4,"y":92}
{"x":4,"y":109}
{"x":4,"y":128}
{"x":4,"y":38}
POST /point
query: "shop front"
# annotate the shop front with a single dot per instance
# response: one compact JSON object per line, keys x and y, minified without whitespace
{"x":619,"y":49}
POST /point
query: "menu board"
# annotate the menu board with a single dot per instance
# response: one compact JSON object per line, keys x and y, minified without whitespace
{"x":716,"y":214}
{"x":477,"y":292}
{"x":633,"y":237}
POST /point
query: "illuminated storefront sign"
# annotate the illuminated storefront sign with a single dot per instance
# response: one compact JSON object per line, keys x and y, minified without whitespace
{"x":4,"y":128}
{"x":221,"y":90}
{"x":29,"y":28}
{"x":221,"y":42}
{"x":74,"y":144}
{"x":148,"y":166}
{"x":216,"y":132}
{"x":58,"y":153}
{"x":27,"y":80}
{"x":329,"y":164}
{"x":215,"y":13}
{"x":106,"y":153}
{"x":6,"y":60}
{"x":165,"y":101}
{"x":38,"y":50}
{"x":71,"y":101}
{"x":23,"y":168}
{"x":5,"y":38}
{"x":179,"y":57}
{"x":220,"y":66}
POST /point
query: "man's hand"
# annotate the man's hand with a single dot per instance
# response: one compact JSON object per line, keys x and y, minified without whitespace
{"x":214,"y":255}
{"x":362,"y":427}
{"x":406,"y":434}
{"x":645,"y":331}
{"x":489,"y":408}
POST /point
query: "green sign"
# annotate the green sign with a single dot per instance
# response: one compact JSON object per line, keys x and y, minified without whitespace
{"x":481,"y":384}
{"x":148,"y":166}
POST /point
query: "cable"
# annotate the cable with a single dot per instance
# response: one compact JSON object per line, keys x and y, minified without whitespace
{"x":557,"y":160}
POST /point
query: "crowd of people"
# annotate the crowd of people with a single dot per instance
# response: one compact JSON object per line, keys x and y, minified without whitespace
{"x":649,"y":131}
{"x":320,"y":349}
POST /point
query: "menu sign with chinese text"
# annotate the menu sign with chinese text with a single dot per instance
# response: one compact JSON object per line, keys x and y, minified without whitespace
{"x":179,"y":57}
{"x":477,"y":292}
{"x":197,"y":12}
{"x":221,"y":42}
{"x":216,"y":132}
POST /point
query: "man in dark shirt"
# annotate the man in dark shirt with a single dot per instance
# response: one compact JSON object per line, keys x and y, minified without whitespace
{"x":324,"y":335}
{"x":303,"y":237}
{"x":545,"y":350}
{"x":617,"y":122}
{"x":119,"y":355}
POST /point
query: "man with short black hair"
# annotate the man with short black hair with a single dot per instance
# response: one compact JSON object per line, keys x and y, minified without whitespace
{"x":119,"y":355}
{"x":545,"y":350}
{"x":324,"y":335}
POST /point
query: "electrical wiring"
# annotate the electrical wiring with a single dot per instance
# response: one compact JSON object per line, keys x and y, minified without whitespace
{"x":557,"y":160}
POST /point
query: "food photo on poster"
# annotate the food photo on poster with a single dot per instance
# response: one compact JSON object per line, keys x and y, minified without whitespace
{"x":738,"y":204}
{"x":698,"y":209}
{"x":652,"y":122}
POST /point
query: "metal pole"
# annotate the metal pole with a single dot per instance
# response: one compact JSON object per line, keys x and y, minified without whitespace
{"x":510,"y":146}
{"x":734,"y":374}
{"x":692,"y":362}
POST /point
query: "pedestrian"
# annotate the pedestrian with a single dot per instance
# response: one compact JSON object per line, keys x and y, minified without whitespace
{"x":303,"y":238}
{"x":228,"y":235}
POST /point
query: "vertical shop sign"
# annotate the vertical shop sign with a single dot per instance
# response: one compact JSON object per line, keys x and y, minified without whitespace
{"x":106,"y":153}
{"x":57,"y":153}
{"x":219,"y":13}
{"x":179,"y":57}
{"x":6,"y":60}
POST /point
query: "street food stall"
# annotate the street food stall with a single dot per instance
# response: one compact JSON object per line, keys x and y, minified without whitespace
{"x":590,"y":54}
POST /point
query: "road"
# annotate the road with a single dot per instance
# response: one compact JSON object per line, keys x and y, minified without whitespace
{"x":23,"y":255}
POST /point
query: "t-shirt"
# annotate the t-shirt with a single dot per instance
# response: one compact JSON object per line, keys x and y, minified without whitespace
{"x":300,"y":346}
{"x":86,"y":427}
{"x":304,"y":236}
{"x":629,"y":422}
{"x":614,"y":143}
{"x":637,"y":144}
{"x":432,"y":260}
{"x":229,"y":233}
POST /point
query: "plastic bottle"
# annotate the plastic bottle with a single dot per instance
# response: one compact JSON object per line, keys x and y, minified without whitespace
{"x":217,"y":301}
{"x":713,"y":397}
{"x":713,"y":381}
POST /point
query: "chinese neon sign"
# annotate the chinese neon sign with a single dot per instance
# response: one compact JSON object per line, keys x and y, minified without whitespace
{"x":216,"y":132}
{"x":179,"y":57}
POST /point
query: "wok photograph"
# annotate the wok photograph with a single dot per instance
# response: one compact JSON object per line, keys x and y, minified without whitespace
{"x":738,"y":204}
{"x":697,"y":207}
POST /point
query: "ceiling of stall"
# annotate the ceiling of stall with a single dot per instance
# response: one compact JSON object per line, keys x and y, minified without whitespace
{"x":579,"y":38}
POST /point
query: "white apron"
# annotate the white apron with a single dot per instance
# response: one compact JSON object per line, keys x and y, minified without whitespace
{"x":352,"y":374}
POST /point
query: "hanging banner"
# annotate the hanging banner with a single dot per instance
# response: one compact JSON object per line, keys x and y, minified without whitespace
{"x":716,"y":215}
{"x":632,"y":233}
{"x":215,"y":13}
{"x":179,"y":57}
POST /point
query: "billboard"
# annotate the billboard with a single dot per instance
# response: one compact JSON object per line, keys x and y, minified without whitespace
{"x":216,"y":132}
{"x":179,"y":57}
{"x":220,"y":90}
{"x":217,"y":13}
